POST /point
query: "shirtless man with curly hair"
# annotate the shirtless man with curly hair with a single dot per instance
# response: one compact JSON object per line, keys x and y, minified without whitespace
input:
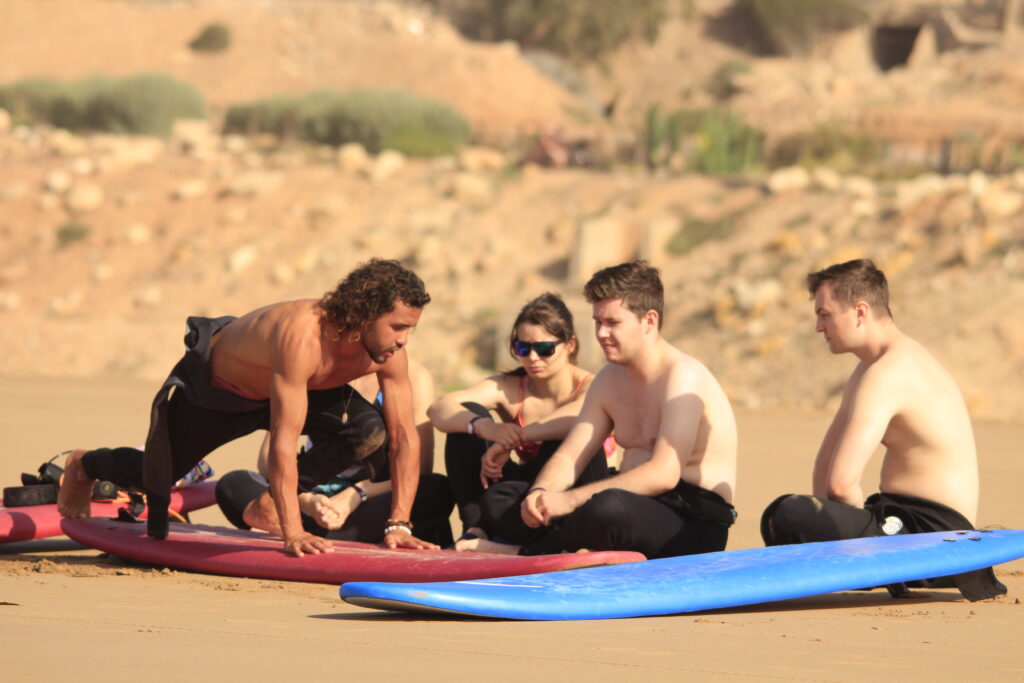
{"x":284,"y":367}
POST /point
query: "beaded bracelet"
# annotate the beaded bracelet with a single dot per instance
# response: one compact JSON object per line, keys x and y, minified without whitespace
{"x":536,"y":488}
{"x":395,"y":524}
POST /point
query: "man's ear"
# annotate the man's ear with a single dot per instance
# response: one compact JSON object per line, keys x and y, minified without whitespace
{"x":861,"y":310}
{"x":651,"y":320}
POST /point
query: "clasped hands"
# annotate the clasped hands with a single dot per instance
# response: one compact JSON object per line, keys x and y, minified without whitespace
{"x":541,"y":506}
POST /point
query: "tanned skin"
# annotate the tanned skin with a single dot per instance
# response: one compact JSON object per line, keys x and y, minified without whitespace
{"x":281,"y":351}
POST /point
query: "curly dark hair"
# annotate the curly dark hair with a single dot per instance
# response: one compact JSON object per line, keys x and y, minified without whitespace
{"x":637,"y":284}
{"x":370,"y":291}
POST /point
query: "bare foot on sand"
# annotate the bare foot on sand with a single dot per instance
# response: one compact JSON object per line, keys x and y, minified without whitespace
{"x":469,"y":535}
{"x":482,"y":545}
{"x":75,"y":494}
{"x":261,"y":514}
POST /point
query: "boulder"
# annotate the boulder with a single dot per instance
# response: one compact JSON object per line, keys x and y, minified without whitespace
{"x":84,"y":197}
{"x":789,"y":179}
{"x":600,"y":242}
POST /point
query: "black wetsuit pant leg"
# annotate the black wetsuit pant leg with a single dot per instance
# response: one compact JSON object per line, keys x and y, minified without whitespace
{"x":613,"y":519}
{"x":463,"y":454}
{"x":809,"y":519}
{"x":430,"y":511}
{"x":195,"y":432}
{"x":803,"y":519}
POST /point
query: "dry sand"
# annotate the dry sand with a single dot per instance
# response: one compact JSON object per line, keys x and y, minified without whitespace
{"x":67,"y":614}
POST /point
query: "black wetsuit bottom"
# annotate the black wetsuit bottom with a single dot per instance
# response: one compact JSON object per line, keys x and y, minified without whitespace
{"x":463,"y":454}
{"x":195,"y":432}
{"x":683,"y":521}
{"x":807,"y":519}
{"x":430,"y":511}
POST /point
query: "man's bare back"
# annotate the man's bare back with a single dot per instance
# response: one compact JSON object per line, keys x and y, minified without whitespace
{"x":242,"y":354}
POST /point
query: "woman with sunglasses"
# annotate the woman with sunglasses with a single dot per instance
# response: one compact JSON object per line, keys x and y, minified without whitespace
{"x":526,"y":411}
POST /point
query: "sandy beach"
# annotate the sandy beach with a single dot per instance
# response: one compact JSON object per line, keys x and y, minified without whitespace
{"x":66,"y":612}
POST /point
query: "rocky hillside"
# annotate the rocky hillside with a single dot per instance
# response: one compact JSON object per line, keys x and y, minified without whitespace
{"x":107,"y":243}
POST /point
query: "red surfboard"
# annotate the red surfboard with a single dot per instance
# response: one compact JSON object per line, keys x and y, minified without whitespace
{"x":254,"y":554}
{"x":42,"y":521}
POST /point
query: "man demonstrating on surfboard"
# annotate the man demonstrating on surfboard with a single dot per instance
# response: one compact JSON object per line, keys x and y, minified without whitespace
{"x":283,"y":367}
{"x":673,"y":493}
{"x":898,"y":396}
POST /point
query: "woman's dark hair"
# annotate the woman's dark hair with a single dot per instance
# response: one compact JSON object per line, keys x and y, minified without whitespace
{"x":550,"y":312}
{"x":370,"y":291}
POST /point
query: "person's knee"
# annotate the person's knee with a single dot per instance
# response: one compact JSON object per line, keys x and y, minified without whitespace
{"x":500,"y":501}
{"x":782,"y":519}
{"x":606,"y":512}
{"x":235,"y":490}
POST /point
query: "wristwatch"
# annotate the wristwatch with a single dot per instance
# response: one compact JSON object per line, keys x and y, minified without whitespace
{"x":470,"y":428}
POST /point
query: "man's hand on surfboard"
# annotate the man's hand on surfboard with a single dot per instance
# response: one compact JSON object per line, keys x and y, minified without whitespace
{"x":403,"y":539}
{"x":303,"y":543}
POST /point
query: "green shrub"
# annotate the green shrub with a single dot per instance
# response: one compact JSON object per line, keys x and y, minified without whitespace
{"x":793,"y":27}
{"x":271,"y":115}
{"x":656,"y":134}
{"x":830,"y":144}
{"x":146,"y":104}
{"x":71,"y":232}
{"x":577,"y":29}
{"x":695,"y":231}
{"x":725,"y":144}
{"x":213,"y":38}
{"x":413,"y":125}
{"x":34,"y":100}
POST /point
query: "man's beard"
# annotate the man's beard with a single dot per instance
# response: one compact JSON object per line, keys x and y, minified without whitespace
{"x":377,"y":356}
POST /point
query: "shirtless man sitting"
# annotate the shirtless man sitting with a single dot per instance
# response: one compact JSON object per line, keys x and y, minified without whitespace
{"x":284,"y":368}
{"x":898,"y":396}
{"x":678,"y":474}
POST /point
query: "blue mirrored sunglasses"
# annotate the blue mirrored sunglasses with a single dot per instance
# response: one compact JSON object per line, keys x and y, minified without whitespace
{"x":543,"y":348}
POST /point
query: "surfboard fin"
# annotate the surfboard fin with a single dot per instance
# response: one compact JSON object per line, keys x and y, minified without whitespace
{"x":981,"y":584}
{"x":898,"y":590}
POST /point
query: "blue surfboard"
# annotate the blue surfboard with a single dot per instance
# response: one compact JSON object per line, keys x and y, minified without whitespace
{"x":701,"y":582}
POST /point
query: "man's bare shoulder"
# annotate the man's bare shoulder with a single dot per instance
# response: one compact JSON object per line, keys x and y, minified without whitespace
{"x":288,"y":332}
{"x":683,"y":371}
{"x":903,"y":360}
{"x":608,"y":375}
{"x":301,"y":314}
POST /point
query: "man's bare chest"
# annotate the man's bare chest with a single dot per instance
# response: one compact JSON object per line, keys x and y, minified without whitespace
{"x":636,"y":420}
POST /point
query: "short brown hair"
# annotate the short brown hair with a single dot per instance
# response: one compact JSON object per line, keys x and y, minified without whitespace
{"x":853,"y":281}
{"x":637,"y":284}
{"x":550,"y":312}
{"x":370,"y":291}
